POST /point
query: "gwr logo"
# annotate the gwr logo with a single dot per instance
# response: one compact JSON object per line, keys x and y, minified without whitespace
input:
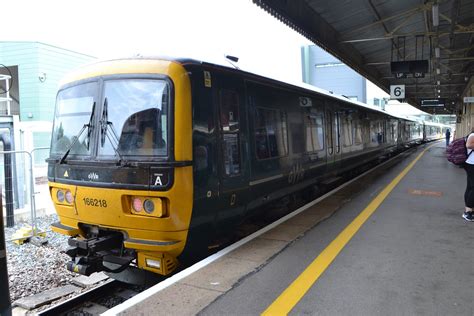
{"x":93,"y":176}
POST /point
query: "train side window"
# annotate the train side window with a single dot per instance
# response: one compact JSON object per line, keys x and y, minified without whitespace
{"x":314,"y":132}
{"x":376,"y":132}
{"x":229,"y":121}
{"x":271,"y":135}
{"x":356,"y":132}
{"x":347,"y":139}
{"x":337,"y":123}
{"x":229,"y":111}
{"x":394,"y":131}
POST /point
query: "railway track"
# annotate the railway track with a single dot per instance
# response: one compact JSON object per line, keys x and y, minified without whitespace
{"x":94,"y":301}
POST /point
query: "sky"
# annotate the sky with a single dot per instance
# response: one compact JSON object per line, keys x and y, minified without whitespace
{"x":204,"y":29}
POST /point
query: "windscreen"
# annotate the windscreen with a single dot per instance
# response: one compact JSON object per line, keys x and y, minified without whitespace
{"x":74,"y":107}
{"x":136,"y":111}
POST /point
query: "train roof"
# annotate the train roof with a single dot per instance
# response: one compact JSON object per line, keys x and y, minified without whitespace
{"x":190,"y":61}
{"x":302,"y":85}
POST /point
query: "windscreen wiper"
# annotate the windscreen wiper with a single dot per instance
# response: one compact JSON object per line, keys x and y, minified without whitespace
{"x":104,"y":124}
{"x":89,"y":131}
{"x":89,"y":126}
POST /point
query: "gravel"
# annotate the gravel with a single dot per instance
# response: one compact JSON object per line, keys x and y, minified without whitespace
{"x":33,"y":269}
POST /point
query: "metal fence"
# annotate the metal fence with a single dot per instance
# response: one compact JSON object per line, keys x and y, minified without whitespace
{"x":19,"y":178}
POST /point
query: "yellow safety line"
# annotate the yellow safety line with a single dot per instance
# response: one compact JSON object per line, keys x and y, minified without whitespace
{"x":293,"y":294}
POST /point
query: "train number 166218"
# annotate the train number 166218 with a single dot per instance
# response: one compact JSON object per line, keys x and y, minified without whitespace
{"x":95,"y":202}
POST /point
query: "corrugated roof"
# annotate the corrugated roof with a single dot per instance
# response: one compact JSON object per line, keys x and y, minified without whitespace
{"x":369,"y":34}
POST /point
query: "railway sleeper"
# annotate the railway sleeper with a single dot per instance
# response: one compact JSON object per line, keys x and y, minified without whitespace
{"x":93,"y":254}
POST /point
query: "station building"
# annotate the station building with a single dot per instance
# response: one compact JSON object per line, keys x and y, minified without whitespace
{"x":33,"y":71}
{"x":323,"y":70}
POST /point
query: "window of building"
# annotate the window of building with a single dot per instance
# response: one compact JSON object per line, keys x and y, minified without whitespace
{"x":326,"y":65}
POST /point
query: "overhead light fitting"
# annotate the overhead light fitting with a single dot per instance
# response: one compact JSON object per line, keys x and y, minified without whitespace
{"x":439,"y":91}
{"x":437,"y":52}
{"x":438,"y":71}
{"x":438,"y":82}
{"x":435,"y":9}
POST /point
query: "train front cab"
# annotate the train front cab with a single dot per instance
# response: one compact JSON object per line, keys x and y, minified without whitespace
{"x":124,"y":204}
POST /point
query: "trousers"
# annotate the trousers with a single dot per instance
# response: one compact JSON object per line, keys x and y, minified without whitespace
{"x":469,"y":194}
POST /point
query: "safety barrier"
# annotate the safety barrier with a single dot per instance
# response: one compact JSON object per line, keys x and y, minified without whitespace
{"x":8,"y":172}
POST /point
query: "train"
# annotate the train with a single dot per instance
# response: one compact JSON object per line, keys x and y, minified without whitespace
{"x":153,"y":157}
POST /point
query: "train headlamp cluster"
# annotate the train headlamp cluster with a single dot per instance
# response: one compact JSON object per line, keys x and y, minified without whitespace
{"x":147,"y":206}
{"x":64,"y":196}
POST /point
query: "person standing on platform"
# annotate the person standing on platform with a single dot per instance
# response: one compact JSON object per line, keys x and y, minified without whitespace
{"x":469,"y":167}
{"x":448,"y":136}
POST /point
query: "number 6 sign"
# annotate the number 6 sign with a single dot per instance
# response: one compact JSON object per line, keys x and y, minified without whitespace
{"x":397,"y":91}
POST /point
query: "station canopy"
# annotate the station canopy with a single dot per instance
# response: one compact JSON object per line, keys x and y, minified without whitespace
{"x":425,"y":48}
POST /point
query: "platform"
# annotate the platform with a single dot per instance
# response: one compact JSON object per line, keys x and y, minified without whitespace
{"x":392,"y":242}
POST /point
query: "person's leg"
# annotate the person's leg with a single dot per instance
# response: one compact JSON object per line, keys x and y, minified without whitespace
{"x":469,"y":193}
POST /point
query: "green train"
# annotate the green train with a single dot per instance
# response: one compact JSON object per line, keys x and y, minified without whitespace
{"x":151,"y":158}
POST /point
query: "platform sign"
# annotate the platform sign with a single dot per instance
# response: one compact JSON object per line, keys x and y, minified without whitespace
{"x":397,"y":91}
{"x":468,"y":99}
{"x":400,"y":75}
{"x":414,"y":68}
{"x":418,"y":75}
{"x":432,"y":102}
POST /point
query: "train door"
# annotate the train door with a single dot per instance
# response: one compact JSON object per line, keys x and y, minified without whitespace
{"x":333,"y":136}
{"x":233,"y":151}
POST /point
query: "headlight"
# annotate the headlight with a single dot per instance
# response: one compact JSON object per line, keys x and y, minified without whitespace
{"x":69,"y":197}
{"x":60,"y":196}
{"x":149,"y":206}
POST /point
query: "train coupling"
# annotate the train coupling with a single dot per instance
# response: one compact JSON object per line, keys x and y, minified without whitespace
{"x":102,"y":253}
